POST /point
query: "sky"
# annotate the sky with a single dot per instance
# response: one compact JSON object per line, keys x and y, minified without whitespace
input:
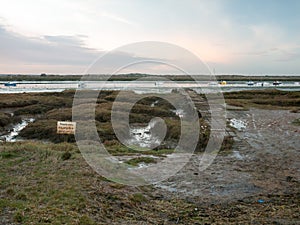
{"x":230,"y":36}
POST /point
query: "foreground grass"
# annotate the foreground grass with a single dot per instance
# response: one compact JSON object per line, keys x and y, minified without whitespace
{"x":38,"y":185}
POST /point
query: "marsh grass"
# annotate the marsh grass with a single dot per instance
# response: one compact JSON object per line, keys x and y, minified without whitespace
{"x":296,"y":122}
{"x":6,"y":120}
{"x":117,"y":149}
{"x":266,"y":99}
{"x":39,"y":187}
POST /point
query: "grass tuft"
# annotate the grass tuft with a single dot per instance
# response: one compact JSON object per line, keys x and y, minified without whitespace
{"x":138,"y":198}
{"x":7,"y":155}
{"x":18,"y":217}
{"x":66,"y":156}
{"x":138,"y":160}
{"x":296,"y":122}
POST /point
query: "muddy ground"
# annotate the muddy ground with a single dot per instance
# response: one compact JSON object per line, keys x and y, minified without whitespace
{"x":264,"y":162}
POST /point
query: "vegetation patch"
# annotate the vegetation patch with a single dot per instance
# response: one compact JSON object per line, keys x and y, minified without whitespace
{"x":296,"y":122}
{"x":51,"y":183}
{"x":43,"y":188}
{"x":44,"y":129}
{"x":138,"y":160}
{"x":7,"y":155}
{"x":7,"y":119}
{"x":33,"y":109}
{"x":266,"y":99}
{"x":227,"y":144}
{"x":66,"y":156}
{"x":138,"y":197}
{"x":39,"y":187}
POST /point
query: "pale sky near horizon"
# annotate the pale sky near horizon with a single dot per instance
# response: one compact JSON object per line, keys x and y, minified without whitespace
{"x":230,"y":36}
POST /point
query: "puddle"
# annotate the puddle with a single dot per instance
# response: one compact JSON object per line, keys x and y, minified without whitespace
{"x":144,"y":137}
{"x":12,"y":136}
{"x":154,"y":103}
{"x":238,"y":124}
{"x":139,"y":166}
{"x":237,"y":155}
{"x":179,"y":112}
{"x":142,"y":165}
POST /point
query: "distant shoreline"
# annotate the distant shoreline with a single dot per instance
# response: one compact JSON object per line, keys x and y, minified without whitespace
{"x":135,"y":76}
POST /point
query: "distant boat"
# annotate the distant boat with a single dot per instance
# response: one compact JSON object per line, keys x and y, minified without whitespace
{"x":223,"y":82}
{"x":276,"y":83}
{"x":10,"y":84}
{"x":250,"y":83}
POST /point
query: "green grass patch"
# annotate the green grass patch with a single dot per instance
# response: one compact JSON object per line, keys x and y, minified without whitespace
{"x":8,"y":155}
{"x":138,"y":197}
{"x":296,"y":122}
{"x":138,"y":160}
{"x":118,"y":149}
{"x":42,"y":188}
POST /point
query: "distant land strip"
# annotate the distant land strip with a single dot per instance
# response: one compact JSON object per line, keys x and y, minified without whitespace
{"x":135,"y":76}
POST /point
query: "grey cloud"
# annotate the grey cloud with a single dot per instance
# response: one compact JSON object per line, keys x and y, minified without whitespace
{"x":59,"y":50}
{"x":62,"y":53}
{"x":56,"y":50}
